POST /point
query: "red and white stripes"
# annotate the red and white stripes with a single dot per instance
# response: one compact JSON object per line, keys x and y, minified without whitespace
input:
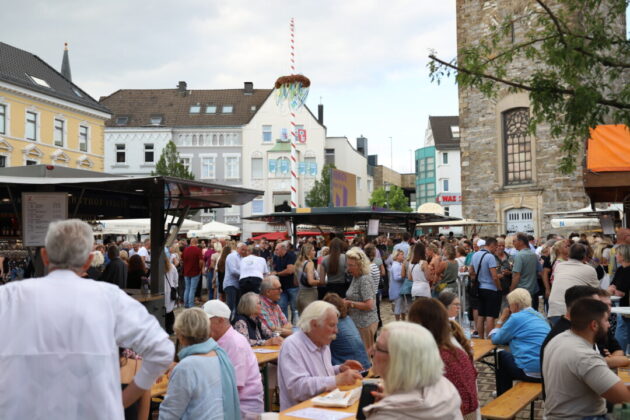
{"x":294,"y":155}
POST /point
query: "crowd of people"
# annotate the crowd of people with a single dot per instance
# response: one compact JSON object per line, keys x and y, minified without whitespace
{"x":548,"y":300}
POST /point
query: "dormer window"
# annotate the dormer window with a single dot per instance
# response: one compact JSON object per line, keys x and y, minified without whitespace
{"x":38,"y":81}
{"x":227,"y":109}
{"x":123,"y":120}
{"x":211,"y":109}
{"x":253,"y":108}
{"x":156,"y":120}
{"x":455,"y":131}
{"x":195,"y":109}
{"x":77,"y":92}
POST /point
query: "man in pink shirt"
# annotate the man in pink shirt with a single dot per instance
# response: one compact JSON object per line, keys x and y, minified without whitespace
{"x":248,"y":380}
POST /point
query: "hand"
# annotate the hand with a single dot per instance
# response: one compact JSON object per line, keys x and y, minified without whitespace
{"x":347,"y":377}
{"x":380,"y":394}
{"x":274,"y":341}
{"x":350,"y":364}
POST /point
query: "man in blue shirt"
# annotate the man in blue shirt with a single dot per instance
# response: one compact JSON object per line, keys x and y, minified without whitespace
{"x":284,"y":268}
{"x":483,"y":266}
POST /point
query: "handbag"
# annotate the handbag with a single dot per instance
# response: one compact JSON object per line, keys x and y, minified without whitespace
{"x":405,"y":289}
{"x":303,"y":276}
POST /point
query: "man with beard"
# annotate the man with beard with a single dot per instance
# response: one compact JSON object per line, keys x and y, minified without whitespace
{"x":577,"y":379}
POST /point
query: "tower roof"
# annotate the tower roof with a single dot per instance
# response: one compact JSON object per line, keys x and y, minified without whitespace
{"x":65,"y":64}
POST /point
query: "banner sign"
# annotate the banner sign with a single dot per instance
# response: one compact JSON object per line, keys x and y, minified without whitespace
{"x":449,"y":198}
{"x":301,"y":135}
{"x":343,"y":186}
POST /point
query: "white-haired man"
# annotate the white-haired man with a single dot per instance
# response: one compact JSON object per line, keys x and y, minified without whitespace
{"x":271,"y":314}
{"x":232,"y":275}
{"x":248,"y":381}
{"x":304,"y":364}
{"x":59,"y":356}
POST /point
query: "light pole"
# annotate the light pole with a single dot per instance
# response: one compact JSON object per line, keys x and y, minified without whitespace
{"x":387,"y":194}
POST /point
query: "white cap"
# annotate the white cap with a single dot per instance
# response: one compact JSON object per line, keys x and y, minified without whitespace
{"x":481,"y":243}
{"x":216,"y":308}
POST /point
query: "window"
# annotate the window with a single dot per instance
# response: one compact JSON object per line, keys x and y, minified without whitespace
{"x":455,"y":131}
{"x":31,"y":162}
{"x":232,"y":169}
{"x":266,"y":133}
{"x":3,"y":119}
{"x":258,"y":205}
{"x":195,"y":109}
{"x":211,"y":109}
{"x":445,"y":158}
{"x":283,"y":166}
{"x":122,"y":120}
{"x":31,"y":125}
{"x":77,"y":92}
{"x":426,"y":168}
{"x":83,"y":138}
{"x":426,"y":193}
{"x":156,"y":120}
{"x":121,"y":153}
{"x":38,"y":81}
{"x":257,"y":168}
{"x":3,"y":161}
{"x":59,"y":131}
{"x":517,"y":147}
{"x":148,"y":153}
{"x":369,"y":185}
{"x":310,"y":166}
{"x":447,"y":211}
{"x":445,"y":185}
{"x":208,"y":167}
{"x":252,"y":108}
{"x":185,"y":161}
{"x":358,"y":183}
{"x":227,"y":109}
{"x":329,"y":157}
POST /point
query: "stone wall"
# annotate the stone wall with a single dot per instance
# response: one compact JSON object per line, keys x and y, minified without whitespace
{"x":485,"y":197}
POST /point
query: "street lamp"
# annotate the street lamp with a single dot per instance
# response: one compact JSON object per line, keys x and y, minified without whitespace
{"x":387,"y":195}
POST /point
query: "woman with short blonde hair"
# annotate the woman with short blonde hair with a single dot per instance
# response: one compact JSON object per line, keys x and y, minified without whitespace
{"x":406,"y":356}
{"x":361,"y":296}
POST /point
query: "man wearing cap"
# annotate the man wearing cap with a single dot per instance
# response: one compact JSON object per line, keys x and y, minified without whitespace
{"x":248,"y":381}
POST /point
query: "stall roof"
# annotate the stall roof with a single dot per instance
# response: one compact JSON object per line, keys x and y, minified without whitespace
{"x":349,"y":217}
{"x":462,"y":222}
{"x":607,"y":170}
{"x":177,"y":193}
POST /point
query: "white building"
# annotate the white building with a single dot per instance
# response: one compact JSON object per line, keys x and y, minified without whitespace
{"x":345,"y":157}
{"x":266,"y":159}
{"x":442,"y":135}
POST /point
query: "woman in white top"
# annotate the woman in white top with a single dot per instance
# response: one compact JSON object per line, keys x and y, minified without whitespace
{"x":419,"y":272}
{"x":307,"y":277}
{"x":171,"y":281}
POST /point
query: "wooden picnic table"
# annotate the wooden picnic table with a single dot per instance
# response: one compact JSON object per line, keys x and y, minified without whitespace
{"x":352,"y":410}
{"x":263,"y":358}
{"x":481,"y":348}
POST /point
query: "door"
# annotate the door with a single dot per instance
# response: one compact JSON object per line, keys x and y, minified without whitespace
{"x":519,"y":220}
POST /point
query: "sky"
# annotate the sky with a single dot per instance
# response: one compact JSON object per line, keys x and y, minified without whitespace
{"x":366,"y":59}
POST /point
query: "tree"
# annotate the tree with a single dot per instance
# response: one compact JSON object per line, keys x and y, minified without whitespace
{"x":394,"y":200}
{"x":580,"y":66}
{"x":169,"y":164}
{"x":319,"y":195}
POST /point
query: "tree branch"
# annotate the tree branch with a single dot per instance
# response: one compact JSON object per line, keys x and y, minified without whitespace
{"x":519,"y":46}
{"x":571,"y":92}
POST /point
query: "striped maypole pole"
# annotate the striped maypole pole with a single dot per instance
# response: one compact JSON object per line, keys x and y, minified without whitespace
{"x":294,"y":155}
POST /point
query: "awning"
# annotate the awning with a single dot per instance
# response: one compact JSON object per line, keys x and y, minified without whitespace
{"x":609,"y":149}
{"x":462,"y":222}
{"x":271,"y":236}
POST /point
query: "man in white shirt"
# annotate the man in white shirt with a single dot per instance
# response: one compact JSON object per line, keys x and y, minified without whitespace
{"x":145,"y":252}
{"x":253,"y":269}
{"x":231,"y":285}
{"x":61,"y":334}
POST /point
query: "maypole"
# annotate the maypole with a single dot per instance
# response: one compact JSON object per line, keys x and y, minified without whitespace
{"x":293,"y":90}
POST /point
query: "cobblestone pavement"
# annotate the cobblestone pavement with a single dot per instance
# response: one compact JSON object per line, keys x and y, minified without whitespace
{"x":485,"y":380}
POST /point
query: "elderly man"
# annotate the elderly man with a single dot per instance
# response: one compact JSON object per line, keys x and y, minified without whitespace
{"x":574,"y":272}
{"x":284,"y":268}
{"x":145,"y":252}
{"x":248,"y":381}
{"x":271,"y":314}
{"x":253,"y":270}
{"x":304,"y":365}
{"x":59,"y":356}
{"x":233,"y":274}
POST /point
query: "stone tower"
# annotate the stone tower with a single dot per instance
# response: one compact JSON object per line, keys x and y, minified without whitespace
{"x":507,"y":175}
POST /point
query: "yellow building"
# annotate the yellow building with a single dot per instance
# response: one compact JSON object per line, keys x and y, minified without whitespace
{"x":44,"y":117}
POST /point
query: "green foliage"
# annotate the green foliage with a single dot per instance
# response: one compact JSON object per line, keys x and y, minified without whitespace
{"x":394,"y":200}
{"x":319,"y":195}
{"x":169,"y":164}
{"x":579,"y":72}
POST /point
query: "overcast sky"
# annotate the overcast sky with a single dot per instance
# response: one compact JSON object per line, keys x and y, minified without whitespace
{"x":366,"y":59}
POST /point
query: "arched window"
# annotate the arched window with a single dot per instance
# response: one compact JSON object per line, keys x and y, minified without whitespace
{"x":517,"y":147}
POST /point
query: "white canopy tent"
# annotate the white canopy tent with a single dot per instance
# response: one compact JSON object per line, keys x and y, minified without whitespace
{"x":583,"y":218}
{"x":214,"y":229}
{"x":135,"y":226}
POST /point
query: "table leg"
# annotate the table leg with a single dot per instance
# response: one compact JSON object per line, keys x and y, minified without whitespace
{"x":267,"y":395}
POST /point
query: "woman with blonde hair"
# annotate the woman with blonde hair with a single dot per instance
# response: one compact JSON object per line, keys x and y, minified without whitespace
{"x":203,"y":384}
{"x":307,"y":277}
{"x":361,"y":296}
{"x":396,"y":280}
{"x":406,"y":356}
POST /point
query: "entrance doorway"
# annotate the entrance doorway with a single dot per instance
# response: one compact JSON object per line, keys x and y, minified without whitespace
{"x":519,"y":220}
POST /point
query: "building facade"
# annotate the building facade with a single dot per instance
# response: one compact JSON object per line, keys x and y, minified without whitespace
{"x":508,"y":175}
{"x":266,"y":159}
{"x":207,"y":126}
{"x":44,"y":117}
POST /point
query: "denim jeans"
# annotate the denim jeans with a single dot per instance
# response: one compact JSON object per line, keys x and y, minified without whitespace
{"x":621,"y":333}
{"x":209,"y":276}
{"x":289,"y":297}
{"x":232,"y":296}
{"x":508,"y":371}
{"x":189,"y":292}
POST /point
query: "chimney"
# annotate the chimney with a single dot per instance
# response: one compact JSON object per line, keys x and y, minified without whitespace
{"x":248,"y":88}
{"x":362,"y":145}
{"x":320,"y":113}
{"x":181,"y":87}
